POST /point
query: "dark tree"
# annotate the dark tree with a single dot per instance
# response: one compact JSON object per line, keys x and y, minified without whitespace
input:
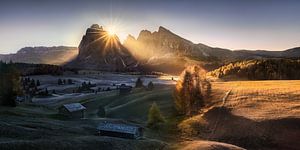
{"x":9,"y":84}
{"x":38,"y":83}
{"x":59,"y":82}
{"x":32,"y":83}
{"x":46,"y":92}
{"x":139,"y":83}
{"x":70,"y":81}
{"x":150,"y":85}
{"x":207,"y":85}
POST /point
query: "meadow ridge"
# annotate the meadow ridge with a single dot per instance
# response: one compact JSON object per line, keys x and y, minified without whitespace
{"x":259,"y":100}
{"x":256,"y":114}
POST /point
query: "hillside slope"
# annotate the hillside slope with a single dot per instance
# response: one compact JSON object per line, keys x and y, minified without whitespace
{"x":255,"y":115}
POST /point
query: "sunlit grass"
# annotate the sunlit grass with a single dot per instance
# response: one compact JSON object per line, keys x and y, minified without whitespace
{"x":261,"y":99}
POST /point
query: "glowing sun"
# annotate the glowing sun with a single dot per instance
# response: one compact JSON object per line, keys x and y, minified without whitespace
{"x":111,"y":30}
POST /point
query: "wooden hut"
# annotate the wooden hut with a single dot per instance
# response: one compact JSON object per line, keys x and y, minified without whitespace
{"x":121,"y":130}
{"x":73,"y":110}
{"x":124,"y":89}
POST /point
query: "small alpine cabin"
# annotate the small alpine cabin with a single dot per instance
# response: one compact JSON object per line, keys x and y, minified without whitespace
{"x":121,"y":130}
{"x":73,"y":110}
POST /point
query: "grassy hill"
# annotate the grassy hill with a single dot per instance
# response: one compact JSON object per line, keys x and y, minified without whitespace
{"x":30,"y":126}
{"x":133,"y":106}
{"x":256,"y":115}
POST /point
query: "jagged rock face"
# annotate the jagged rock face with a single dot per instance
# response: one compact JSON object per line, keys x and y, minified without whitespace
{"x":163,"y":42}
{"x":163,"y":50}
{"x":101,"y":51}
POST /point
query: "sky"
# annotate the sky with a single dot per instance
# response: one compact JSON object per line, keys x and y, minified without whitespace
{"x":232,"y":24}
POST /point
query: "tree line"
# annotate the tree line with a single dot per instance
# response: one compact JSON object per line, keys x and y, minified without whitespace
{"x":266,"y":69}
{"x":9,"y":84}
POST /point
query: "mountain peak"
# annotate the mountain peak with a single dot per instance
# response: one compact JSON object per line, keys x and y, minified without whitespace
{"x":163,"y":29}
{"x":130,"y":37}
{"x":102,"y":52}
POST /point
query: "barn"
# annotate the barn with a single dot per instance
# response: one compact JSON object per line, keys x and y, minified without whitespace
{"x":121,"y":130}
{"x":73,"y":110}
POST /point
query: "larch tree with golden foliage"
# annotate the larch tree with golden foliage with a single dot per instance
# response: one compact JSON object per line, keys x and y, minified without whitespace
{"x":188,"y":96}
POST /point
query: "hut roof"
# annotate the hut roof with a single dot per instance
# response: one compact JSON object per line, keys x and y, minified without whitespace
{"x":118,"y":127}
{"x":124,"y":86}
{"x":74,"y":107}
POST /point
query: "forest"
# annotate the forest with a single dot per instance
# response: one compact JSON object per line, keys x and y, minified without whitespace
{"x":265,"y":69}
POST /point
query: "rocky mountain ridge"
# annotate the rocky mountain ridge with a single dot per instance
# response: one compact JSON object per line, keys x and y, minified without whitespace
{"x":101,"y":51}
{"x":56,"y":55}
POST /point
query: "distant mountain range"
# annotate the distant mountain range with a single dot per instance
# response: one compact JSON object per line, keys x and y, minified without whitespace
{"x":56,"y":55}
{"x":160,"y":50}
{"x":164,"y":48}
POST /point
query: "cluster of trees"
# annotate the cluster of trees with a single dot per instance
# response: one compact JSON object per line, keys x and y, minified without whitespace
{"x":30,"y":82}
{"x":64,"y":81}
{"x":267,"y":69}
{"x":30,"y":87}
{"x":9,"y":84}
{"x":140,"y":84}
{"x":38,"y":69}
{"x":87,"y":87}
{"x":41,"y":69}
{"x":190,"y":90}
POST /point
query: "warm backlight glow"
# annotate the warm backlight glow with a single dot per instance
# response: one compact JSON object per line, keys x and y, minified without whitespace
{"x":111,"y":30}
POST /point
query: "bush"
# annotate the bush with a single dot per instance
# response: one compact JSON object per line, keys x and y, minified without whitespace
{"x":154,"y":116}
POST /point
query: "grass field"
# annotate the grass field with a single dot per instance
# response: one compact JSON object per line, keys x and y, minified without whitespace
{"x":259,"y":100}
{"x":253,"y":112}
{"x":32,"y":126}
{"x":256,"y":115}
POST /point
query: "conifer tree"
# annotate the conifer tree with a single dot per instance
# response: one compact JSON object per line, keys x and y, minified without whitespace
{"x":154,"y":116}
